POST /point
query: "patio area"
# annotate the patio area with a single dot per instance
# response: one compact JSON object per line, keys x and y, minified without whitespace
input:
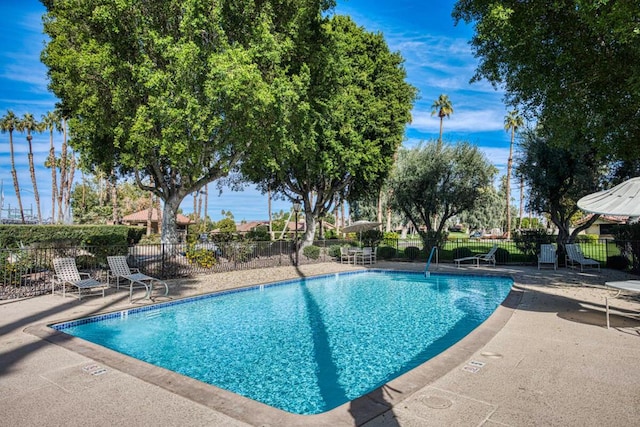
{"x":544,"y":358}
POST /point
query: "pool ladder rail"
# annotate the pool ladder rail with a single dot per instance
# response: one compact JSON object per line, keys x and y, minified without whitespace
{"x":434,"y":250}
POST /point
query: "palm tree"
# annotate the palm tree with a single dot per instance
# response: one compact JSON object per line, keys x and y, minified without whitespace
{"x":30,"y":124}
{"x":512,"y":122}
{"x":443,"y":108}
{"x":8,"y":124}
{"x":51,"y":122}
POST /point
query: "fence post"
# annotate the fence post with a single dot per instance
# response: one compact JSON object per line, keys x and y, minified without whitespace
{"x":162,"y":248}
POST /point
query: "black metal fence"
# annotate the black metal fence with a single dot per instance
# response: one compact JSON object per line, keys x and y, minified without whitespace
{"x":27,"y":271}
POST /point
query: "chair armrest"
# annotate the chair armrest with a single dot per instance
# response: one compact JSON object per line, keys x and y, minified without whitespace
{"x":87,"y":275}
{"x":135,"y":270}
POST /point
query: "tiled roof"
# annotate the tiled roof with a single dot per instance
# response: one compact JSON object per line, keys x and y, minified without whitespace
{"x":141,"y":216}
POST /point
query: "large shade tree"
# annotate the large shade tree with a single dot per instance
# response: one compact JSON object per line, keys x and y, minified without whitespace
{"x":175,"y":92}
{"x":344,"y":105}
{"x":431,"y":184}
{"x":574,"y":64}
{"x":557,"y":177}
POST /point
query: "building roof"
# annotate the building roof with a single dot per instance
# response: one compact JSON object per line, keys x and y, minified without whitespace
{"x":608,"y":219}
{"x":141,"y":217}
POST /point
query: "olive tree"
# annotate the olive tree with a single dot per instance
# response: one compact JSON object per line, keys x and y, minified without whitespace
{"x":431,"y":185}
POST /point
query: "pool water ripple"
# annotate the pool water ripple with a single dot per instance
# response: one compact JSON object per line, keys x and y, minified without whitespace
{"x":307,"y":347}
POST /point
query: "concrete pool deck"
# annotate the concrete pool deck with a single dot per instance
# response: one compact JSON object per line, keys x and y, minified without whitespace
{"x":544,"y":358}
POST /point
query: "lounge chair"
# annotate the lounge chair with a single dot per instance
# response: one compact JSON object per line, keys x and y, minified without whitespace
{"x":119,"y":269}
{"x":489,"y":257}
{"x":547,"y":255}
{"x":575,"y":256}
{"x":367,"y":256}
{"x":66,"y":274}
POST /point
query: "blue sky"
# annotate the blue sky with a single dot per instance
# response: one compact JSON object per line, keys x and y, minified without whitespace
{"x":437,"y":56}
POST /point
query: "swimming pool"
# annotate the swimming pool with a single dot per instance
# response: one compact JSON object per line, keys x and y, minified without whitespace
{"x":303,"y":346}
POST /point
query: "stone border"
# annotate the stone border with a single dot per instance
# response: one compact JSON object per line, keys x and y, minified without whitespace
{"x":356,"y":412}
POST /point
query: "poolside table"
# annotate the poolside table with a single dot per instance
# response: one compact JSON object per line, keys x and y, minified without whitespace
{"x":632,"y":286}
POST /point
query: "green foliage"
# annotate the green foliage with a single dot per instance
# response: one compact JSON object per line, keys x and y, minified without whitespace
{"x":226,"y":225}
{"x":502,"y":256}
{"x":574,"y":63}
{"x":334,"y":251}
{"x":371,"y":237}
{"x":627,"y":239}
{"x":260,"y":233}
{"x":390,"y":238}
{"x":587,"y":238}
{"x":152,"y":239}
{"x":331,"y":234}
{"x":344,"y":106}
{"x":311,"y":252}
{"x":412,"y":252}
{"x":201,"y":257}
{"x":618,"y":262}
{"x":439,"y":182}
{"x":386,"y":252}
{"x":528,"y":241}
{"x":557,"y":177}
{"x":176,"y":92}
{"x":11,"y":236}
{"x":462,"y":253}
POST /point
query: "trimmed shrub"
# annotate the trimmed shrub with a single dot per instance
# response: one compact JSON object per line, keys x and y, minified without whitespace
{"x":386,"y":252}
{"x":334,"y":251}
{"x":462,"y":253}
{"x":311,"y":252}
{"x":618,"y":262}
{"x":502,"y":256}
{"x":412,"y":252}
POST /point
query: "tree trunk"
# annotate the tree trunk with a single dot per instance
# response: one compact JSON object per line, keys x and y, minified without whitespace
{"x":508,"y":183}
{"x":271,"y":236}
{"x":159,"y":216}
{"x":206,"y":205}
{"x":54,"y":180}
{"x":32,"y":172}
{"x":521,"y":200}
{"x":14,"y":175}
{"x":63,"y":172}
{"x":114,"y":198}
{"x":72,"y":171}
{"x":169,"y":224}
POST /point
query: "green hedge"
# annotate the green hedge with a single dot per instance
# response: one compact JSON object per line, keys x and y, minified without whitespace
{"x":12,"y":236}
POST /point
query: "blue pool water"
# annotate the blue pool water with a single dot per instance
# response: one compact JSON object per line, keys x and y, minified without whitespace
{"x":306,"y":346}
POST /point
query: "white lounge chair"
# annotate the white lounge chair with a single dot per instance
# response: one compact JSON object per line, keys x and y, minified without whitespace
{"x":489,"y":257}
{"x":547,"y":255}
{"x":66,"y":274}
{"x":119,"y":269}
{"x":575,"y":256}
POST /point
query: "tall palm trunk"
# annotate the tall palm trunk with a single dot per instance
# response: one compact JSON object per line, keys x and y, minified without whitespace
{"x":54,"y":180}
{"x":508,"y":183}
{"x":521,"y":199}
{"x":63,"y":172}
{"x":32,"y":172}
{"x":72,"y":171}
{"x":14,"y":175}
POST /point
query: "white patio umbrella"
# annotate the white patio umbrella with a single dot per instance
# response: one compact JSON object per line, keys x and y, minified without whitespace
{"x":621,"y":200}
{"x":359,"y":227}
